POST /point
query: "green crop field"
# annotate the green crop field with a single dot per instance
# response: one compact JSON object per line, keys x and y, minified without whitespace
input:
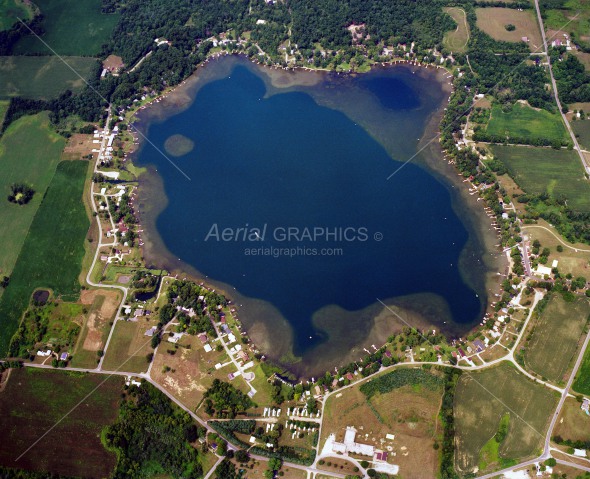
{"x":582,"y":130}
{"x":53,"y":250}
{"x":34,"y":400}
{"x":556,"y":334}
{"x":482,"y":400}
{"x":457,"y":39}
{"x":29,"y":153}
{"x":538,"y":170}
{"x":526,"y":122}
{"x":42,"y":77}
{"x":71,"y":27}
{"x":11,"y":11}
{"x":3,"y":109}
{"x":582,"y":382}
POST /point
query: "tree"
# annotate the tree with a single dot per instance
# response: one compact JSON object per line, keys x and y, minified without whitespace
{"x":242,"y":456}
{"x":4,"y":282}
{"x":20,"y":193}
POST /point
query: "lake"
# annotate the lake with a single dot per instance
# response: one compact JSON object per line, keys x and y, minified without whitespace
{"x":277,"y":188}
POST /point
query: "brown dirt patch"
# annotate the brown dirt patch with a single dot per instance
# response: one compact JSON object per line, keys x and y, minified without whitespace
{"x":78,"y":145}
{"x":104,"y":305}
{"x":113,"y":63}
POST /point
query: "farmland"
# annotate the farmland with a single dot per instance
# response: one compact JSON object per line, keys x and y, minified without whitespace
{"x":582,"y":130}
{"x":71,"y":28}
{"x":42,"y":78}
{"x":53,"y":250}
{"x":410,"y":412}
{"x":493,"y":21}
{"x":582,"y":382}
{"x":11,"y":11}
{"x":573,"y":423}
{"x":456,"y":40}
{"x":482,"y":399}
{"x":34,"y":400}
{"x":539,"y":170}
{"x":525,"y":122}
{"x":129,"y":347}
{"x":29,"y":152}
{"x":556,"y":334}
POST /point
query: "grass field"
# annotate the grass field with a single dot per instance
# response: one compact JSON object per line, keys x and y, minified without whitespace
{"x":482,"y":399}
{"x":556,"y":334}
{"x":29,"y":152}
{"x":456,"y":41}
{"x":11,"y":11}
{"x":494,"y":20}
{"x":575,"y":17}
{"x":34,"y":400}
{"x":582,"y":130}
{"x":71,"y":28}
{"x":573,"y":423}
{"x":538,"y":170}
{"x":526,"y":122}
{"x":42,"y":78}
{"x":409,"y":412}
{"x":129,"y":347}
{"x":52,"y":253}
{"x":582,"y":382}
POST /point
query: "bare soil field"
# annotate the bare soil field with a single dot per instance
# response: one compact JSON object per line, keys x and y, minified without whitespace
{"x":573,"y":423}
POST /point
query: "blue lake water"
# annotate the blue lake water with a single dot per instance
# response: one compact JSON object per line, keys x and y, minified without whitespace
{"x":285,"y":162}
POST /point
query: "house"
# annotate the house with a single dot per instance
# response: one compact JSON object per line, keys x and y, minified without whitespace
{"x":585,"y":405}
{"x":203,"y":338}
{"x":349,"y":445}
{"x":63,"y":356}
{"x":349,"y":376}
{"x":150,"y":332}
{"x":479,"y":346}
{"x":175,"y":337}
{"x":388,"y":354}
{"x":44,"y":354}
{"x":243,"y":356}
{"x":208,"y":348}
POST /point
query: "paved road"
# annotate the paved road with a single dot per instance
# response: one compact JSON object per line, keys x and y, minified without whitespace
{"x":585,"y":163}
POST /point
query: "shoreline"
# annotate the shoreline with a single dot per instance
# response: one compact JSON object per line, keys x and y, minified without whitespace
{"x":153,"y":250}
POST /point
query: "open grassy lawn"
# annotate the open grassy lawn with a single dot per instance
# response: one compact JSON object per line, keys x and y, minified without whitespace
{"x":572,"y":260}
{"x":582,"y":130}
{"x":42,"y":78}
{"x":53,"y":250}
{"x":11,"y":11}
{"x":456,"y":41}
{"x":574,"y":17}
{"x":573,"y":423}
{"x":538,"y":170}
{"x":582,"y":382}
{"x":526,"y":122}
{"x":493,"y":21}
{"x":129,"y":347}
{"x":482,"y":399}
{"x":71,"y":27}
{"x":556,"y":334}
{"x":409,"y":412}
{"x":34,"y":400}
{"x":29,"y":153}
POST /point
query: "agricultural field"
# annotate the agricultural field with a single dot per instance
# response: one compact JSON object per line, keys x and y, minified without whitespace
{"x":526,"y":122}
{"x":129,"y":347}
{"x":42,"y":78}
{"x":12,"y":10}
{"x":482,"y":399}
{"x":538,"y":170}
{"x":582,"y":382}
{"x":556,"y":334}
{"x":29,"y":153}
{"x":573,"y":423}
{"x":584,"y":59}
{"x":582,"y":130}
{"x":3,"y":109}
{"x":456,"y":40}
{"x":410,"y":412}
{"x":71,"y":28}
{"x":53,"y":250}
{"x":35,"y":400}
{"x":493,"y":21}
{"x":102,"y":307}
